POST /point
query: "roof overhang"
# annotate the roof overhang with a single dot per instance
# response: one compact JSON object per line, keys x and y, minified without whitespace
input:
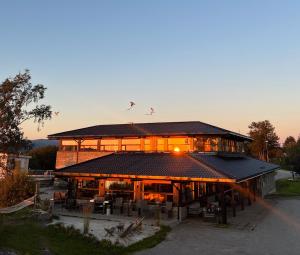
{"x":144,"y":177}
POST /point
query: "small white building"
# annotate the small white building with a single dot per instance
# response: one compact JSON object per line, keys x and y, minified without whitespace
{"x":13,"y":162}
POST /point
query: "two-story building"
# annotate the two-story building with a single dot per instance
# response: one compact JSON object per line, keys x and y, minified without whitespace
{"x":177,"y":162}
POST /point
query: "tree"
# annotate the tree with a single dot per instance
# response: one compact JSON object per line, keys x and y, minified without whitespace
{"x":19,"y":103}
{"x":289,"y":142}
{"x":43,"y":158}
{"x":292,"y":155}
{"x":265,"y":143}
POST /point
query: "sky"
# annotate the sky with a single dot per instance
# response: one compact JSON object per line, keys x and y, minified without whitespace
{"x":226,"y":63}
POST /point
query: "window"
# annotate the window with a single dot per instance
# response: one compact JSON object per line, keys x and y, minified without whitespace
{"x":89,"y":145}
{"x":206,"y":144}
{"x":87,"y":188}
{"x":160,"y":144}
{"x":69,"y":145}
{"x":131,"y":144}
{"x":158,"y":192}
{"x":109,"y":145}
{"x":147,"y":145}
{"x":181,"y":143}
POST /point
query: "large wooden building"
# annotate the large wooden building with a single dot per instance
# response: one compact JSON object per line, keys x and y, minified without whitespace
{"x":176,"y":162}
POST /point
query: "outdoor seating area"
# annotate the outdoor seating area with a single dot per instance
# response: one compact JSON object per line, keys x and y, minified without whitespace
{"x":118,"y":206}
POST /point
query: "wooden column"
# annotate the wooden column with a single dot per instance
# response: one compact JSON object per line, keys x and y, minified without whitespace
{"x":175,"y":193}
{"x":254,"y":185}
{"x":77,"y":150}
{"x":233,"y":203}
{"x":101,"y":187}
{"x":119,"y":144}
{"x":138,"y":190}
{"x":142,"y":144}
{"x":242,"y":202}
{"x":223,"y":204}
{"x":179,"y":201}
{"x":248,"y":193}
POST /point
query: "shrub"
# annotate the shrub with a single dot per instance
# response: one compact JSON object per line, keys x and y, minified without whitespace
{"x":15,"y":188}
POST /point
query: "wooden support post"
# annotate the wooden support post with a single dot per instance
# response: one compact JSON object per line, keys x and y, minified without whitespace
{"x":242,"y":202}
{"x":233,"y":203}
{"x":101,"y":188}
{"x":179,"y":201}
{"x":248,"y":194}
{"x":254,"y":190}
{"x":223,"y":205}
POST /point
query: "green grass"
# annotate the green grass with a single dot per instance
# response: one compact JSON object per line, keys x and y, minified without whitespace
{"x":22,"y":234}
{"x":288,"y":187}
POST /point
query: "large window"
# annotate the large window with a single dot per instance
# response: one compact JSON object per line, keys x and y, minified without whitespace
{"x":124,"y":189}
{"x":89,"y":145}
{"x":180,"y":144}
{"x":87,"y":188}
{"x":109,"y":145}
{"x":206,"y":144}
{"x":131,"y":144}
{"x":160,"y":144}
{"x":69,"y":145}
{"x":158,"y":192}
{"x":147,"y":145}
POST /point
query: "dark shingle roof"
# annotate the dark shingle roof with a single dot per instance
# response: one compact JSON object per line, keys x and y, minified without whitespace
{"x":147,"y":129}
{"x":238,"y":168}
{"x":170,"y":165}
{"x":149,"y":164}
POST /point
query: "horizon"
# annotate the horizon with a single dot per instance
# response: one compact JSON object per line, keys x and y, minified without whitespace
{"x":223,"y":63}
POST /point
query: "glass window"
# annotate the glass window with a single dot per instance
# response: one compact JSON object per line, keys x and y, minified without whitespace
{"x":158,"y":192}
{"x":109,"y":145}
{"x":147,"y":145}
{"x":131,"y":144}
{"x":68,"y":145}
{"x":178,"y":143}
{"x":160,"y":144}
{"x":89,"y":145}
{"x":206,"y":144}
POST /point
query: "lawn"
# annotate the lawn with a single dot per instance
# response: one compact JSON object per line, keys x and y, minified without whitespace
{"x":288,"y":187}
{"x":26,"y":236}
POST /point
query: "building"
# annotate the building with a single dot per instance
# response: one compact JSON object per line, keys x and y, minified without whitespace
{"x":13,"y":162}
{"x":178,"y":162}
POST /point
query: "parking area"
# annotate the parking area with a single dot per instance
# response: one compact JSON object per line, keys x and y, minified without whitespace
{"x":273,"y":228}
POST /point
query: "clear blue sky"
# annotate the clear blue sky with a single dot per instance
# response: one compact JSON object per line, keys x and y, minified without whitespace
{"x":223,"y":62}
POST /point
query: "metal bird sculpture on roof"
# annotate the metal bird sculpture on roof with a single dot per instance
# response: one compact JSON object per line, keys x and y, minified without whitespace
{"x":131,"y":105}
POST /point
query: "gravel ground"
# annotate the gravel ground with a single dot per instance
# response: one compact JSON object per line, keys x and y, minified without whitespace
{"x":97,"y":229}
{"x":277,"y":233}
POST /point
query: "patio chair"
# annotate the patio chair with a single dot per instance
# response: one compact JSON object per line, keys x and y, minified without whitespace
{"x":110,"y":231}
{"x":127,"y":231}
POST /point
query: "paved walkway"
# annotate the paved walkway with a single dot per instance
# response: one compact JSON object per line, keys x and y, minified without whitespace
{"x":275,"y":231}
{"x":283,"y":174}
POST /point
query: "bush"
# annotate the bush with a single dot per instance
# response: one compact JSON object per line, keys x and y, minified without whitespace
{"x":15,"y":188}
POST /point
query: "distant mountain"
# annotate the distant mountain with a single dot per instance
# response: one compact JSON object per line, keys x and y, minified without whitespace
{"x":43,"y":142}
